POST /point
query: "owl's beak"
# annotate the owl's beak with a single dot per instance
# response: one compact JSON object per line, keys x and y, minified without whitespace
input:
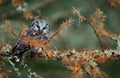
{"x":41,"y":31}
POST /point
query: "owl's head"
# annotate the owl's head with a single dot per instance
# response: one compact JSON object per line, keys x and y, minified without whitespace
{"x":40,"y":26}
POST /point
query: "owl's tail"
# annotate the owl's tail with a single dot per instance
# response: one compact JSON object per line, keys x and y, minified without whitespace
{"x":19,"y":52}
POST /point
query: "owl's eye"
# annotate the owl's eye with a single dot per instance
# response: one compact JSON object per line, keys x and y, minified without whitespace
{"x":44,"y":28}
{"x":38,"y":28}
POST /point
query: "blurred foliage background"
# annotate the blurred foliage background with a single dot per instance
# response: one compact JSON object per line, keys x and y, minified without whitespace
{"x":78,"y":36}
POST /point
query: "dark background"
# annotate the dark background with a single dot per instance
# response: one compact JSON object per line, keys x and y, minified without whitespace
{"x":79,"y":36}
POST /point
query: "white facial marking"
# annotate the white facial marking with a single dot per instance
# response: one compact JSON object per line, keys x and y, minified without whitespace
{"x":35,"y":28}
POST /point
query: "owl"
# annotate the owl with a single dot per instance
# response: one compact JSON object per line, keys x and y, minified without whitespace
{"x":40,"y":30}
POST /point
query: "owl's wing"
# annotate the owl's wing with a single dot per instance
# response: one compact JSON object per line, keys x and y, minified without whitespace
{"x":20,"y":47}
{"x":31,"y":33}
{"x":20,"y":50}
